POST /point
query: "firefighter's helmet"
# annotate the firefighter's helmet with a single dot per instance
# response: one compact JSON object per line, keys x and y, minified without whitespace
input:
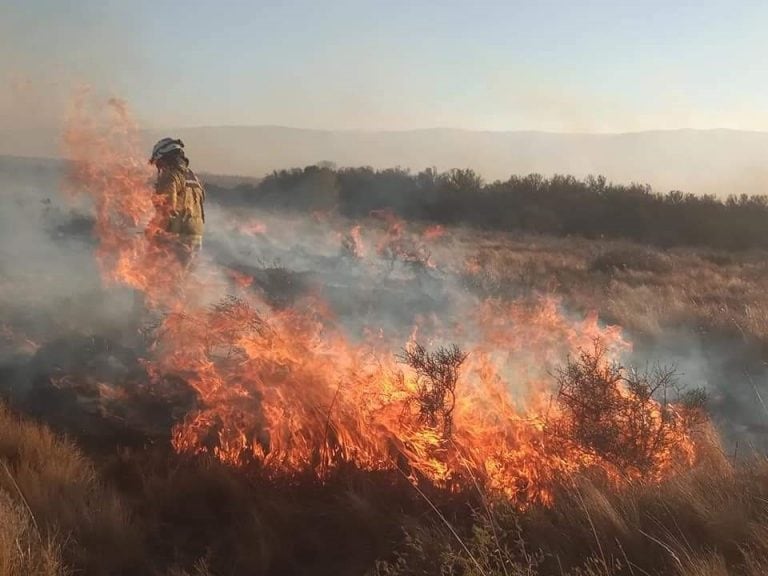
{"x":164,"y":147}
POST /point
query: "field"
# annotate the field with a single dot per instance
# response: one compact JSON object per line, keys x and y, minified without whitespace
{"x":299,"y":408}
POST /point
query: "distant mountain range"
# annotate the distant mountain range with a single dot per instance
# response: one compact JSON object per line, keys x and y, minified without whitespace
{"x":702,"y":161}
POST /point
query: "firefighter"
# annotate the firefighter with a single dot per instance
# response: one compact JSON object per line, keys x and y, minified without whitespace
{"x":179,"y":201}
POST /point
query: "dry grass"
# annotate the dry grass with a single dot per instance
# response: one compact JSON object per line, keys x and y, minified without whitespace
{"x":712,"y":516}
{"x":199,"y":518}
{"x":711,"y":521}
{"x":152,"y":512}
{"x":22,"y":550}
{"x":65,"y":500}
{"x":642,"y":290}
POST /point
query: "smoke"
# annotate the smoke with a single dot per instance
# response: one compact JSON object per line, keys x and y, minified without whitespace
{"x":729,"y":369}
{"x":49,"y":277}
{"x":365,"y":292}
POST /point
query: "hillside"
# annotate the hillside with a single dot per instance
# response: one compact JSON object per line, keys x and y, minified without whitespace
{"x":701,"y":161}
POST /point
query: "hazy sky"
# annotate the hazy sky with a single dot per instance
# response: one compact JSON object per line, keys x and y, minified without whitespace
{"x":507,"y":65}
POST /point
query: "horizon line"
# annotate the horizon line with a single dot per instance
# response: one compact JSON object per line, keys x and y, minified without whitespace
{"x":453,"y":129}
{"x":415,"y":130}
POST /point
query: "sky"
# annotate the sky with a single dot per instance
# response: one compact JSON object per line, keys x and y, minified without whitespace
{"x":559,"y":65}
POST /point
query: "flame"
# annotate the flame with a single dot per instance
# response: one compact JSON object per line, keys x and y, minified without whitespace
{"x":240,"y":279}
{"x":352,"y":242}
{"x":250,"y":227}
{"x":434,"y":232}
{"x":17,"y":340}
{"x":107,"y":165}
{"x":398,"y":244}
{"x":289,"y":391}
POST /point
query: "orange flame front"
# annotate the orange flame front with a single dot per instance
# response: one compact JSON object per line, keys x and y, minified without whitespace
{"x":288,"y":390}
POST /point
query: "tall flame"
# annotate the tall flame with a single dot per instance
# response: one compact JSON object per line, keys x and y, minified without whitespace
{"x":108,"y":166}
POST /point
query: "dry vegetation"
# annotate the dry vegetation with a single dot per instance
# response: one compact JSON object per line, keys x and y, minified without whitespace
{"x":56,"y":511}
{"x":150,"y":511}
{"x":437,"y":374}
{"x":22,"y":550}
{"x":626,"y":417}
{"x":172,"y":516}
{"x":710,"y":522}
{"x":644,"y":290}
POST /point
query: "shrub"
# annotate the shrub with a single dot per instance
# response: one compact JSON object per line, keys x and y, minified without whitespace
{"x":629,"y":418}
{"x":436,"y":376}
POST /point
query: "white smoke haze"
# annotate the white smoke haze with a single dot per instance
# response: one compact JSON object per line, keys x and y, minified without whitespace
{"x":732,"y":373}
{"x":48,"y":270}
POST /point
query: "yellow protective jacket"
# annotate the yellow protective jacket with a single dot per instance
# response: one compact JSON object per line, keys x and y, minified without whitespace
{"x":179,"y":201}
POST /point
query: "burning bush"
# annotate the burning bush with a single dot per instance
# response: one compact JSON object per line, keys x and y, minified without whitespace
{"x":351,"y":244}
{"x":399,"y":245}
{"x":280,"y":286}
{"x":436,"y":376}
{"x":276,"y":284}
{"x":625,"y":417}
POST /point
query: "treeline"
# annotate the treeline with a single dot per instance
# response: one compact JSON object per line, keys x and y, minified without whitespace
{"x":560,"y":205}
